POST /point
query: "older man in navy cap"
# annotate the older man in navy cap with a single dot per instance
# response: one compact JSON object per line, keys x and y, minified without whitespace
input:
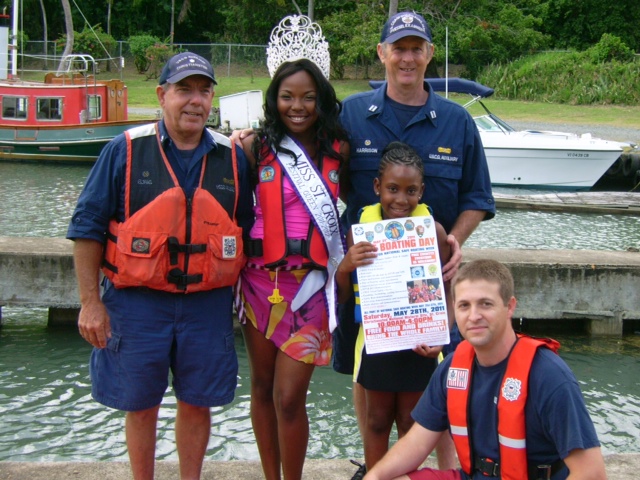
{"x":162,"y":215}
{"x":457,"y":188}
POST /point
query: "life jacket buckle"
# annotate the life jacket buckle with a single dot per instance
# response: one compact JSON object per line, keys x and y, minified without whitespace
{"x":181,"y":279}
{"x":297,"y":247}
{"x":543,"y":472}
{"x":488,"y":467}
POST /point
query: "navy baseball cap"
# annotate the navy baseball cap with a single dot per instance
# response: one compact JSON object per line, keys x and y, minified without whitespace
{"x":184,"y":65}
{"x":405,"y":24}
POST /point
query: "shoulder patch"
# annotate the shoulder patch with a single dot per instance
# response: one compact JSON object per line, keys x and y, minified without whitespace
{"x":458,"y":378}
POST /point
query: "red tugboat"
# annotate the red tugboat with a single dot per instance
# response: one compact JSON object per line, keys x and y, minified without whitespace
{"x":68,"y":117}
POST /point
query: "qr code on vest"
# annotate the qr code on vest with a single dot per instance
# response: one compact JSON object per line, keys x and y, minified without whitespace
{"x":229,"y":247}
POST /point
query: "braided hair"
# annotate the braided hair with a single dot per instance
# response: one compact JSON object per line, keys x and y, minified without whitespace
{"x":399,"y":153}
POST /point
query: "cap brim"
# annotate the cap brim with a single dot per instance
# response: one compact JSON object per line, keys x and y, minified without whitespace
{"x":394,"y":37}
{"x":187,"y":73}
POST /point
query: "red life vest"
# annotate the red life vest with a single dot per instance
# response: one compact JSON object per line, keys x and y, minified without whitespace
{"x":167,"y":241}
{"x":274,"y":244}
{"x":511,"y":405}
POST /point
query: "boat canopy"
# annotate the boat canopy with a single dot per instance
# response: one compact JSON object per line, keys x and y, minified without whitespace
{"x":454,"y":85}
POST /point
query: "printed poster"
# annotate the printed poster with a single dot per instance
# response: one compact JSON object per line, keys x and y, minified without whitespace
{"x":402,"y":292}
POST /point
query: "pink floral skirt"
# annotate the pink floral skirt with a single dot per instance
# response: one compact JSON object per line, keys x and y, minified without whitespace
{"x":302,"y":335}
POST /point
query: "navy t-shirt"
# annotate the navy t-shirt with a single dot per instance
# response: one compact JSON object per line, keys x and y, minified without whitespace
{"x":556,"y":416}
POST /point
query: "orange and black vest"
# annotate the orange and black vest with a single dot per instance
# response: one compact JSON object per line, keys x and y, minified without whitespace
{"x":271,"y":195}
{"x":169,"y":241}
{"x":511,"y":406}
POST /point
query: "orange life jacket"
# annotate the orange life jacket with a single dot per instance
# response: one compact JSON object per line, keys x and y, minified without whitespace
{"x":511,"y":405}
{"x":275,"y":242}
{"x":167,"y":241}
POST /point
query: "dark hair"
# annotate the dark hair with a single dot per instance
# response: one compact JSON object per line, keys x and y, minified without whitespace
{"x":399,"y":153}
{"x":328,"y":108}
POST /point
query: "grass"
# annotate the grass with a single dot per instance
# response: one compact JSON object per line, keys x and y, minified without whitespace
{"x":142,"y":92}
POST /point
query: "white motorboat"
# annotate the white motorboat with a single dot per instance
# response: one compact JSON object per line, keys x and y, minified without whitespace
{"x":532,"y":158}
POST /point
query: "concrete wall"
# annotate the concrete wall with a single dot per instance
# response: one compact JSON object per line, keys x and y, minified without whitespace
{"x":599,"y":286}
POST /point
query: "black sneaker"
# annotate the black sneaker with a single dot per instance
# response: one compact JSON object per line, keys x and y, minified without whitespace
{"x":360,"y":473}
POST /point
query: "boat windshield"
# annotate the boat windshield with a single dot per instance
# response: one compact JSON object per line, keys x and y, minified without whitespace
{"x":491,"y":123}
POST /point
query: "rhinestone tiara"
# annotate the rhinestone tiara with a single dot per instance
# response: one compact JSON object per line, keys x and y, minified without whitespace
{"x":296,"y":37}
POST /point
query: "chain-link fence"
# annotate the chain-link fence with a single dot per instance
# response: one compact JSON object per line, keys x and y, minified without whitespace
{"x":228,"y":59}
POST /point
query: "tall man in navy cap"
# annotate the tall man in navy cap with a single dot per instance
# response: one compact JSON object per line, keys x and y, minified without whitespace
{"x":457,"y":184}
{"x":162,"y":216}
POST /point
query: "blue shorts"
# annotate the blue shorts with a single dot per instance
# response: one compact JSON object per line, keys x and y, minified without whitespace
{"x":154,"y":333}
{"x":344,"y":338}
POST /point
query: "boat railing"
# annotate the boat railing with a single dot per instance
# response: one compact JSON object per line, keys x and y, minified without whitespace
{"x":74,"y":64}
{"x":77,"y":63}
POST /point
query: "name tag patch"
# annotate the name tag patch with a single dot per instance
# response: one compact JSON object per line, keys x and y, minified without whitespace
{"x":229,"y":247}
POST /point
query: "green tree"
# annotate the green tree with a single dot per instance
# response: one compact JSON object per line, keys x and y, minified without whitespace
{"x":581,"y":24}
{"x":247,"y":21}
{"x":499,"y":33}
{"x":353,"y":36}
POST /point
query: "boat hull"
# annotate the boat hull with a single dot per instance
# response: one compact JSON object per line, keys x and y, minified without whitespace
{"x":547,"y":161}
{"x":73,"y":144}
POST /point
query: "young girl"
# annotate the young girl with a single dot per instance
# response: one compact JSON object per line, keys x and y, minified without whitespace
{"x":393,"y":382}
{"x":297,"y":156}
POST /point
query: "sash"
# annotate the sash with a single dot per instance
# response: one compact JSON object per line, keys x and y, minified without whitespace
{"x":310,"y":187}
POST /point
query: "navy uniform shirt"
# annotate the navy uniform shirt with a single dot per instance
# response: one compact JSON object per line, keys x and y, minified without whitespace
{"x":444,"y":135}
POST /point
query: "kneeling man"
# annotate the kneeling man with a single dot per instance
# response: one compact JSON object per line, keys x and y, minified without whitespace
{"x":512,"y":405}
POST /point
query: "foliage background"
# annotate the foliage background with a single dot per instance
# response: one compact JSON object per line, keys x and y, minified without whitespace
{"x":560,"y":50}
{"x":496,"y":27}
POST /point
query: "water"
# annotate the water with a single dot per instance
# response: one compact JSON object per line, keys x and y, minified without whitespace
{"x":48,"y":414}
{"x":45,"y":403}
{"x":38,"y":200}
{"x":556,"y":230}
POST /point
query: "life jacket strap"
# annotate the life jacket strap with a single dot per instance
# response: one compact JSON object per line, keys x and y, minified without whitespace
{"x":545,"y":472}
{"x":181,"y":279}
{"x":175,"y":247}
{"x":109,"y":266}
{"x":490,"y":468}
{"x":253,"y":247}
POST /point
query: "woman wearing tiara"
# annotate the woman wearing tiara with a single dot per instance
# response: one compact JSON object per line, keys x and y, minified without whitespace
{"x":286,"y":296}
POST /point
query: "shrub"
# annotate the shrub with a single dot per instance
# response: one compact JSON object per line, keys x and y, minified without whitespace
{"x":90,"y":42}
{"x":567,"y":77}
{"x":138,"y":45}
{"x":157,"y":55}
{"x":610,"y":48}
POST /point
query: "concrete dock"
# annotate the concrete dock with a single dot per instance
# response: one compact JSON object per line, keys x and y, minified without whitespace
{"x":596,"y":287}
{"x":602,"y":203}
{"x":619,"y":467}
